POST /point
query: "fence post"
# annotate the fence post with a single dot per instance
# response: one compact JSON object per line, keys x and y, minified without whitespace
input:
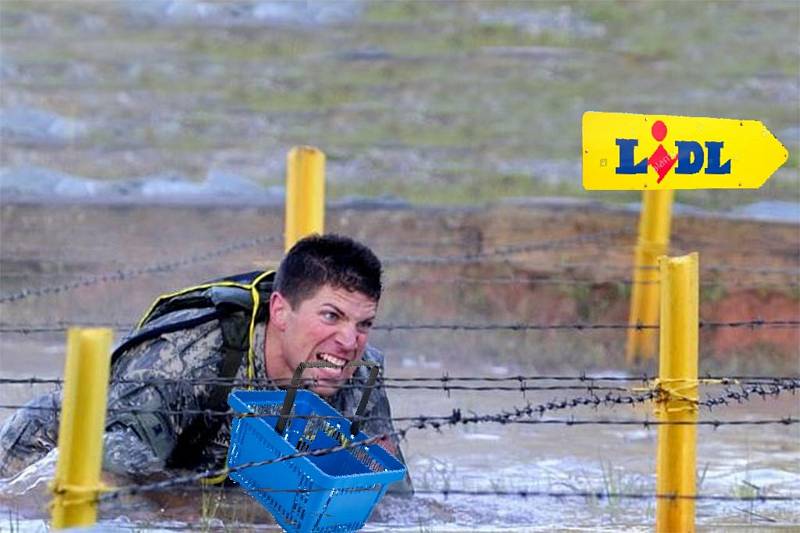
{"x":305,"y":193}
{"x":678,"y":382}
{"x":652,"y":242}
{"x":80,"y":435}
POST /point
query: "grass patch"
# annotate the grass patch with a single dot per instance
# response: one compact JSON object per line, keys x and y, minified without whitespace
{"x":250,"y":45}
{"x":265,"y":100}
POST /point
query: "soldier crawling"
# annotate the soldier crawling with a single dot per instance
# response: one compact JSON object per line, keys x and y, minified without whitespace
{"x":180,"y":361}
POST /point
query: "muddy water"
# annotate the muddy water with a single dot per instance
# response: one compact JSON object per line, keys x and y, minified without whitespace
{"x":732,"y":461}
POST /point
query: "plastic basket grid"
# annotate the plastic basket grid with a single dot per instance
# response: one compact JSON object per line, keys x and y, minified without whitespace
{"x":328,"y":493}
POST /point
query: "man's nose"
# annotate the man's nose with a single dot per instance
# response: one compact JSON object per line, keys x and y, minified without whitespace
{"x":347,"y":337}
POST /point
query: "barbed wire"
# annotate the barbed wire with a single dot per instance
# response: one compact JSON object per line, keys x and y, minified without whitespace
{"x":610,"y":399}
{"x":600,"y":494}
{"x":505,"y":251}
{"x":676,"y":240}
{"x":61,"y":327}
{"x":764,"y":271}
{"x":515,"y":415}
{"x":496,"y":281}
{"x":76,"y":276}
{"x":608,"y":495}
{"x":573,"y":281}
{"x":446,"y":382}
{"x":522,"y":387}
{"x":383,"y":378}
{"x":577,"y":265}
{"x":455,"y":419}
{"x":694,"y":243}
{"x":580,"y":326}
{"x":121,"y":275}
{"x":502,"y":253}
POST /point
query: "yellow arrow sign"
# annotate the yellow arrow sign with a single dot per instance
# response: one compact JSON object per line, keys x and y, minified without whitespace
{"x":624,"y":151}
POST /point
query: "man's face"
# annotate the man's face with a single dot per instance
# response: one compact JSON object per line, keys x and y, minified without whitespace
{"x":331,"y":326}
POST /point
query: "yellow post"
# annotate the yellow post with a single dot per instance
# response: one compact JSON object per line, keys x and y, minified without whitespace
{"x":678,"y":380}
{"x":305,"y":193}
{"x":653,"y":241}
{"x":80,"y":436}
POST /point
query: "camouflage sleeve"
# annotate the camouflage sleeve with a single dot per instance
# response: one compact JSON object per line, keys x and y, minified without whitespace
{"x":29,"y":434}
{"x":154,"y":402}
{"x":32,"y":432}
{"x":146,"y":412}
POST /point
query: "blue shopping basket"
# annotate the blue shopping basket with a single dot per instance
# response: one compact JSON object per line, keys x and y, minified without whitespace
{"x":334,"y":492}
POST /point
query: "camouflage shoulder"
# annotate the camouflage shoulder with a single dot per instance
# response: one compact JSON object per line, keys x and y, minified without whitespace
{"x":173,"y":351}
{"x":373,"y":354}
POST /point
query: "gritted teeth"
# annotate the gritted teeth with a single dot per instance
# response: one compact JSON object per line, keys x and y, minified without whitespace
{"x":338,"y":361}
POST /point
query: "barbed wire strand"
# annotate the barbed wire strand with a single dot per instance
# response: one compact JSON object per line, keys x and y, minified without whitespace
{"x":173,"y":265}
{"x":385,"y":382}
{"x":492,"y":281}
{"x":522,"y":387}
{"x":600,"y":494}
{"x":61,"y":327}
{"x":505,"y":251}
{"x":121,"y":275}
{"x":760,"y":271}
{"x":455,"y":419}
{"x":610,"y":399}
{"x":740,"y":284}
{"x":755,"y":323}
{"x":708,"y":379}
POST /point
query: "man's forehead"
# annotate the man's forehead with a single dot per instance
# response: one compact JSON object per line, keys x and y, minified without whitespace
{"x":340,"y":296}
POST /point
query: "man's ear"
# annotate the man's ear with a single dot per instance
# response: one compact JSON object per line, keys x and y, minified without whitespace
{"x":279,"y":308}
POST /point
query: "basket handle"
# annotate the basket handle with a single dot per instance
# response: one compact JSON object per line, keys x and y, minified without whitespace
{"x":355,"y":423}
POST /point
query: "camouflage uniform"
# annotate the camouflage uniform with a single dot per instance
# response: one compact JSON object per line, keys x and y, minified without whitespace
{"x":167,"y":374}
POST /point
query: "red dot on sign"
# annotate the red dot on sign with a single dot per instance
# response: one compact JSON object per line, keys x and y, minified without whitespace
{"x":659,"y":130}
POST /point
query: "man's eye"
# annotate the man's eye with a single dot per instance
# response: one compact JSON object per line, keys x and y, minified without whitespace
{"x":365,"y":326}
{"x":330,"y":316}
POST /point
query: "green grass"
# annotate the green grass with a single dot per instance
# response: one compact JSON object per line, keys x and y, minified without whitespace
{"x":247,"y":45}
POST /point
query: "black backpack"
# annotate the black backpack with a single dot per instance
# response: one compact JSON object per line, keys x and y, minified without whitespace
{"x":239,"y":302}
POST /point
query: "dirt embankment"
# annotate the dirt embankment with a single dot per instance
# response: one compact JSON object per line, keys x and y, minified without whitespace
{"x":545,"y":262}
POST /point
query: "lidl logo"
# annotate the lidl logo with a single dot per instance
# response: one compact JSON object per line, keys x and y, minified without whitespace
{"x":632,"y":152}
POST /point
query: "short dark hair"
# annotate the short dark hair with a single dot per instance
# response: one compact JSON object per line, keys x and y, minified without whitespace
{"x":330,"y":259}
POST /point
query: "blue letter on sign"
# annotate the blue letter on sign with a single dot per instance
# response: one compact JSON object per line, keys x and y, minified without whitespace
{"x":714,"y":148}
{"x":626,"y":165}
{"x":686,"y":163}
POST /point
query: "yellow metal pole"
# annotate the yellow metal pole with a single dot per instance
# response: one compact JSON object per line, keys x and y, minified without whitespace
{"x":678,"y":381}
{"x":80,"y":436}
{"x":305,"y":193}
{"x":653,"y":241}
